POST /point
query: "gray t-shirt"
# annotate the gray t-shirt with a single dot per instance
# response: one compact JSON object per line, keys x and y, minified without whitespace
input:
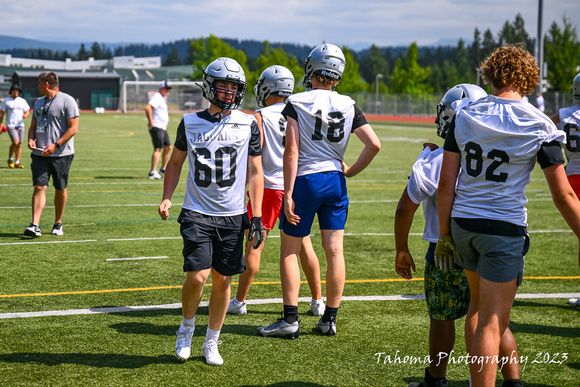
{"x":51,"y":117}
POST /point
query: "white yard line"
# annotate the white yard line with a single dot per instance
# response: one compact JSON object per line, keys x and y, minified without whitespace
{"x":124,"y":309}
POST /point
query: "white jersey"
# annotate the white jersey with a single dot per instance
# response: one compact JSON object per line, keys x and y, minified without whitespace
{"x":499,"y":140}
{"x":422,"y":188}
{"x":14,"y":109}
{"x":160,"y":111}
{"x":325,"y":123}
{"x":570,"y":124}
{"x":274,"y":129}
{"x":218,"y":163}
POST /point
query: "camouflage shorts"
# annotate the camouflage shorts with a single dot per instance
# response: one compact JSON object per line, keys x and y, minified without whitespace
{"x":447,"y":294}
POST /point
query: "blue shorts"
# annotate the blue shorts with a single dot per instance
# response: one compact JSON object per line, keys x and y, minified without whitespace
{"x":321,"y":193}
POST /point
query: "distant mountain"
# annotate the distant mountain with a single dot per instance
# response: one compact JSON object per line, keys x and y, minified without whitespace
{"x":11,"y":42}
{"x":14,"y":42}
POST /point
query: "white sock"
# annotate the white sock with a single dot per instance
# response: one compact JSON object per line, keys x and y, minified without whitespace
{"x":189,"y":323}
{"x":317,"y":301}
{"x":212,"y":335}
{"x":237,"y":302}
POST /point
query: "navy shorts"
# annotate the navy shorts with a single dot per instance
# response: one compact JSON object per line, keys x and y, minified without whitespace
{"x":45,"y":167}
{"x":496,"y":258}
{"x":206,"y":247}
{"x":159,"y":138}
{"x":321,"y":193}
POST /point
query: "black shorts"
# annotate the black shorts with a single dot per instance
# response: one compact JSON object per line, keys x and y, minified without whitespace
{"x":159,"y":138}
{"x":206,"y":246}
{"x":45,"y":167}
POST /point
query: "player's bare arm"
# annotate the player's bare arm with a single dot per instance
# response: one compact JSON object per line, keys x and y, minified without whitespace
{"x":290,"y":169}
{"x":406,"y":209}
{"x":170,"y":181}
{"x":372,"y":146}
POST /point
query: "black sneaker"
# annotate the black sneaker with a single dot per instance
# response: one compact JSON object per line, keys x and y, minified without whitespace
{"x":32,"y":230}
{"x":429,"y":381}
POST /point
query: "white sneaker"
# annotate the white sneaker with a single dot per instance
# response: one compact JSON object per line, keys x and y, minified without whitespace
{"x":574,"y":301}
{"x":211,"y":353}
{"x":183,"y":344}
{"x":32,"y":230}
{"x":154,"y":175}
{"x":317,"y":307}
{"x":57,"y":229}
{"x":238,"y":308}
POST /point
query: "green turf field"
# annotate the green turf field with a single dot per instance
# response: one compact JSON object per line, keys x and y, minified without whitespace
{"x":112,"y":214}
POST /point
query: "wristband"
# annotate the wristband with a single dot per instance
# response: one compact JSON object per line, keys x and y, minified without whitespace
{"x":57,"y":145}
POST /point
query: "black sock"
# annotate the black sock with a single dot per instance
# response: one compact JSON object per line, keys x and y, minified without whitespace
{"x":512,"y":383}
{"x":290,"y":313}
{"x":329,"y":314}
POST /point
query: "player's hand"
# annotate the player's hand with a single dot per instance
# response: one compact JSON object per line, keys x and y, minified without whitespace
{"x":344,"y":168}
{"x":444,"y":253}
{"x":430,"y":145}
{"x":164,"y":209}
{"x":404,"y":263}
{"x":257,"y":230}
{"x":291,"y":217}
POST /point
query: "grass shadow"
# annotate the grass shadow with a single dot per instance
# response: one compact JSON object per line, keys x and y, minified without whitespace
{"x":97,"y":360}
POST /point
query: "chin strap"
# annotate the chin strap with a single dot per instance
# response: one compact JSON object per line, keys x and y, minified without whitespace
{"x":219,"y":115}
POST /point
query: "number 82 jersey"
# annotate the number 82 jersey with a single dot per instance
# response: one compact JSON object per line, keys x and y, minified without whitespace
{"x":499,"y":141}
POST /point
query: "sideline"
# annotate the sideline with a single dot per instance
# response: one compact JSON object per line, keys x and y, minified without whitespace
{"x":125,"y":309}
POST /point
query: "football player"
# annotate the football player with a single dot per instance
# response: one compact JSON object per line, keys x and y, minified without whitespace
{"x":568,"y":120}
{"x":446,"y":292}
{"x":496,"y":142}
{"x":320,"y":122}
{"x":16,"y":109}
{"x":275,"y":85}
{"x":223,"y":148}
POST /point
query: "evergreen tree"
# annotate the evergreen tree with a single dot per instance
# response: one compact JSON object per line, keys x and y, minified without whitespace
{"x":351,"y":82}
{"x":82,"y":54}
{"x":173,"y":58}
{"x":562,"y":54}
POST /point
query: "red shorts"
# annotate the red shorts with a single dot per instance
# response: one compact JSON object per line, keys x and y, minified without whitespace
{"x":271,"y":207}
{"x":575,"y":183}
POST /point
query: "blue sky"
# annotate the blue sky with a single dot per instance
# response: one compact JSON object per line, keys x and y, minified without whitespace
{"x":348,"y":22}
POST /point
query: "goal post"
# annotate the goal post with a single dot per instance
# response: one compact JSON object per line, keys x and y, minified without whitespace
{"x":184,"y":95}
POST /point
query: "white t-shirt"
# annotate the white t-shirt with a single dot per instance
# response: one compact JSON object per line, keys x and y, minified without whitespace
{"x":14,"y":110}
{"x":274,"y":129}
{"x":160,"y":111}
{"x":570,"y":124}
{"x":325,"y":122}
{"x":422,"y":188}
{"x":499,"y":140}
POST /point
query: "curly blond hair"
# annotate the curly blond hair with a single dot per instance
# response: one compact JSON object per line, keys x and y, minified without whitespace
{"x":511,"y":65}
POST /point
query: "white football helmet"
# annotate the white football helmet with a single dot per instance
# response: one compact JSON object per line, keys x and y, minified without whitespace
{"x":445,"y":111}
{"x":328,"y":58}
{"x":224,"y":69}
{"x":576,"y":88}
{"x":275,"y":80}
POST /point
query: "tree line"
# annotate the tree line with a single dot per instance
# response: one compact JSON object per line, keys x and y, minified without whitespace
{"x":409,"y":70}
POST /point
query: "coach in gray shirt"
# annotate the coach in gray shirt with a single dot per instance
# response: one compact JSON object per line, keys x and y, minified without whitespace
{"x":54,"y":123}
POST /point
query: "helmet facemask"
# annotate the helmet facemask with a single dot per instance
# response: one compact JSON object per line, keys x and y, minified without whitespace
{"x":227,"y":70}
